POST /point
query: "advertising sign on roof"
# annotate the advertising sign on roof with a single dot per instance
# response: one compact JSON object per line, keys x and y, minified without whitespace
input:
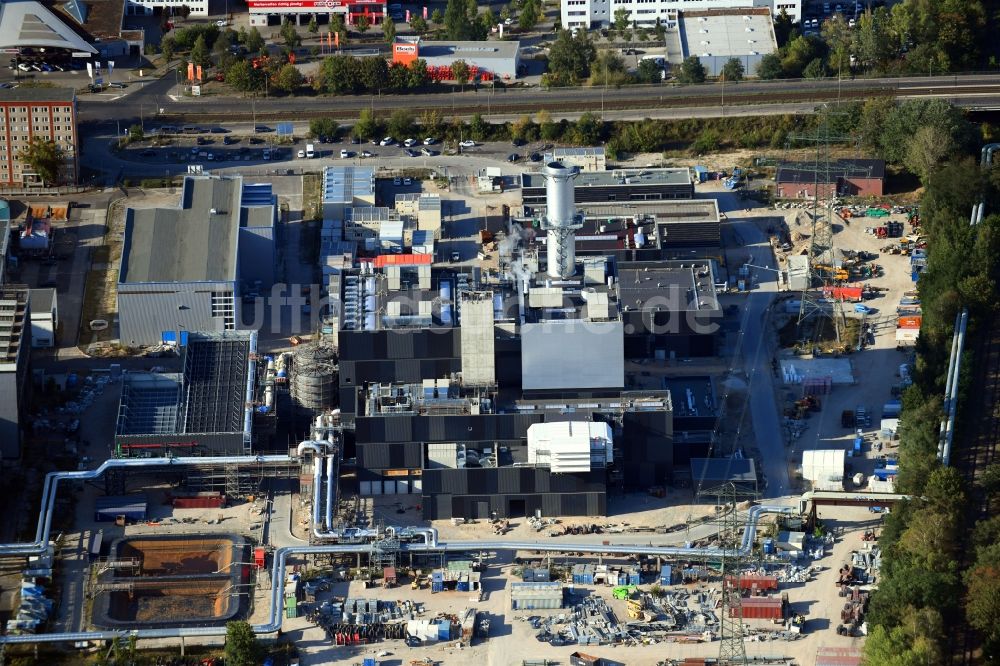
{"x":307,"y":4}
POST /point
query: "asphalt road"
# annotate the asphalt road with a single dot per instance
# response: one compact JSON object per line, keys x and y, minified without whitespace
{"x":757,"y":359}
{"x":145,"y":99}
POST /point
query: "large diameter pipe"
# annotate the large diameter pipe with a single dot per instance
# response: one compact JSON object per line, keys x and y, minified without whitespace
{"x":953,"y":398}
{"x":280,"y":564}
{"x":52,"y":479}
{"x":331,"y":488}
{"x":317,"y":488}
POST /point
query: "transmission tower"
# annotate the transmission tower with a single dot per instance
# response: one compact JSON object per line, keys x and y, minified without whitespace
{"x":822,"y":177}
{"x":732,"y":649}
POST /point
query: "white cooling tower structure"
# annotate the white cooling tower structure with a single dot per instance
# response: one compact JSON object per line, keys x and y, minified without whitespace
{"x":561,"y":219}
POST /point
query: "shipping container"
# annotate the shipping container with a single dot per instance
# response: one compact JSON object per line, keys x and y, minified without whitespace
{"x":762,"y":583}
{"x":760,"y":608}
{"x":365,"y":488}
{"x":850,"y":294}
{"x":768,"y":546}
{"x":910,"y":321}
{"x":199,"y":501}
{"x":108,"y":508}
{"x":666,"y":575}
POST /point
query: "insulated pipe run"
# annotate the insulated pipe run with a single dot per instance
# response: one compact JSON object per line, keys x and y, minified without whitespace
{"x":281,"y":555}
{"x":52,"y":480}
{"x":317,"y":488}
{"x":953,"y":398}
{"x":331,"y":488}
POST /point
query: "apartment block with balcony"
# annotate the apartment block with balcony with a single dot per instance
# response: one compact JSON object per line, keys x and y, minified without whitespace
{"x":26,"y":113}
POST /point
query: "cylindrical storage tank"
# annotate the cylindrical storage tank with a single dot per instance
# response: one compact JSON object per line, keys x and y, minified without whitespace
{"x":313,"y":384}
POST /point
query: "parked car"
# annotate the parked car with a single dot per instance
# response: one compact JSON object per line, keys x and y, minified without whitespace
{"x":344,"y":154}
{"x":430,"y":141}
{"x":302,"y":154}
{"x":411,"y":153}
{"x":119,"y":85}
{"x":468,"y":143}
{"x":409,"y":143}
{"x":397,"y":181}
{"x":387,"y":141}
{"x":367,"y":153}
{"x":513,"y":157}
{"x":407,"y":181}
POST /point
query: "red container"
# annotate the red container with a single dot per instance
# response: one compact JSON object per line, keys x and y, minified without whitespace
{"x":850,"y":294}
{"x":760,"y":608}
{"x":200,"y":501}
{"x":909,"y":322}
{"x":762,"y":583}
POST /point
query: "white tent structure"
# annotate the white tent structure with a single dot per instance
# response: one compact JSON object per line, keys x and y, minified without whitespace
{"x":824,"y":468}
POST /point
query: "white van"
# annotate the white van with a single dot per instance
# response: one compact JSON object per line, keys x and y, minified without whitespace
{"x":310,"y":151}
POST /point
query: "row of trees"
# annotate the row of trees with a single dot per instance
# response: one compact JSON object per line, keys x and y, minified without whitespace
{"x":915,"y":36}
{"x":924,"y":598}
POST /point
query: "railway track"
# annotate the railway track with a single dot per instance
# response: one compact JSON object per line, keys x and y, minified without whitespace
{"x":979,"y":451}
{"x":347,"y":107}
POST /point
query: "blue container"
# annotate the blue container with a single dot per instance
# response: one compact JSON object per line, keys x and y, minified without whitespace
{"x":437,"y":576}
{"x":463,"y":586}
{"x":768,"y":546}
{"x":71,"y":380}
{"x":633,"y":578}
{"x":666,"y":575}
{"x":444,"y":631}
{"x":437,"y":587}
{"x":858,"y":441}
{"x":369,"y":661}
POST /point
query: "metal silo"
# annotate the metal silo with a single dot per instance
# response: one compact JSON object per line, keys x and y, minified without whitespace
{"x":314,"y":377}
{"x":561,"y":219}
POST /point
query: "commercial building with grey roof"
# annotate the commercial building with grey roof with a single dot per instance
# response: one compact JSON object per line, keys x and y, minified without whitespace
{"x":180,"y":268}
{"x":714,"y":36}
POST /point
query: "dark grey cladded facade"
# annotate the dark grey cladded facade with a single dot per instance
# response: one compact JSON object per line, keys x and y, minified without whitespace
{"x":619,"y":185}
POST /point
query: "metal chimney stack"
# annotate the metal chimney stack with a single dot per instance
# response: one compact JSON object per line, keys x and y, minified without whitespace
{"x":561,"y":219}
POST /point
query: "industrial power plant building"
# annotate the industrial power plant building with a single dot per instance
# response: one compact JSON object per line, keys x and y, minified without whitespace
{"x":182,"y":268}
{"x":508,"y":396}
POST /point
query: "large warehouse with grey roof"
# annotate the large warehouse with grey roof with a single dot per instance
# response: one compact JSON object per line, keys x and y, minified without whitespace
{"x":180,"y":268}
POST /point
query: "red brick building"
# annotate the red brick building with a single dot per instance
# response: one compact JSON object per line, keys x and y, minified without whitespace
{"x":26,"y":113}
{"x":799,"y":180}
